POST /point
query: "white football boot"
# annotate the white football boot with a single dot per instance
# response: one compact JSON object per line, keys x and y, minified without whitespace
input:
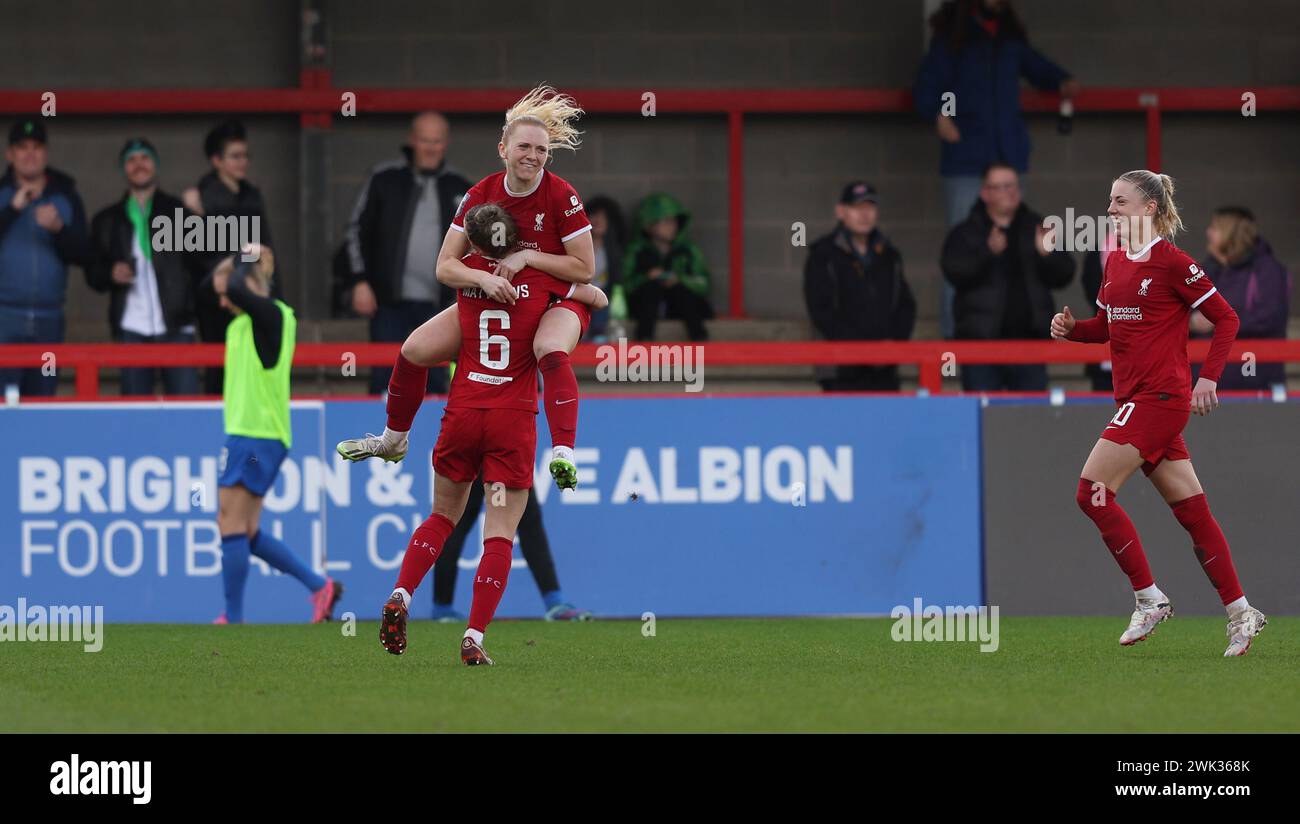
{"x":391,"y":446}
{"x":1148,"y":615}
{"x":1242,"y":629}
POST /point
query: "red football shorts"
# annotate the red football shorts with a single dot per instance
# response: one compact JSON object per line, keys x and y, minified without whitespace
{"x":502,"y":443}
{"x":582,"y":310}
{"x":1156,"y":432}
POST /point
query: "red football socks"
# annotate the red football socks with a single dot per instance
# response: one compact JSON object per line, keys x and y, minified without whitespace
{"x":1117,"y":532}
{"x":422,"y":551}
{"x":560,"y":397}
{"x":490,"y":582}
{"x":405,"y":393}
{"x":1210,"y":546}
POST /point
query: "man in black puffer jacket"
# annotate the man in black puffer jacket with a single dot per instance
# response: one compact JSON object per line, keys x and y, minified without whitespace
{"x":1000,"y":262}
{"x":854,"y":286}
{"x":152,"y":293}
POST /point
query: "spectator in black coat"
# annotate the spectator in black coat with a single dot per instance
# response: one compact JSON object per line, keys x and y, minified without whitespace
{"x":969,"y":86}
{"x":225,"y":192}
{"x":152,"y":292}
{"x":394,"y":235}
{"x":854,"y":286}
{"x":1001,"y":262}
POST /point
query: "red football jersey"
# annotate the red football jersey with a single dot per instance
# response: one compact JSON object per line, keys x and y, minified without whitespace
{"x":548,"y":217}
{"x":496,"y":368}
{"x":1148,"y":298}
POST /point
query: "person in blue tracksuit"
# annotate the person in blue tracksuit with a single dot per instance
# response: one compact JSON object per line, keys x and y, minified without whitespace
{"x":42,"y":230}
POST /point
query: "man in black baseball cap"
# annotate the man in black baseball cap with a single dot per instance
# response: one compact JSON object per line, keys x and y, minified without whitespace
{"x":859,"y":191}
{"x":27,"y":154}
{"x":42,"y":230}
{"x":854,"y":287}
{"x":29,"y":128}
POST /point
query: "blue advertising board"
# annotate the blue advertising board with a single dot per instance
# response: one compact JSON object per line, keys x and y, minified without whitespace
{"x":697,"y":506}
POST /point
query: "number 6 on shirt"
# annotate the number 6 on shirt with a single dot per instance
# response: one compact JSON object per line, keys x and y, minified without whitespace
{"x":486,"y":339}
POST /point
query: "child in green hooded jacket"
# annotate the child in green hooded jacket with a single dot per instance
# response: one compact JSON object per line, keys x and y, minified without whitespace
{"x":664,"y":267}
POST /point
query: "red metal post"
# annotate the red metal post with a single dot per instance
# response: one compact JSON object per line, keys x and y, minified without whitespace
{"x":930,"y":375}
{"x":316,"y":80}
{"x":736,"y":210}
{"x":1153,"y":136}
{"x":87,"y":380}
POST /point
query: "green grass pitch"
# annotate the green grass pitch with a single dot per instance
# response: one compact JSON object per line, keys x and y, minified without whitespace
{"x":1050,"y":674}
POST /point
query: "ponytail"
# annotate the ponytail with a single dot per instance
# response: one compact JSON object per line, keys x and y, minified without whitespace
{"x":1160,"y":188}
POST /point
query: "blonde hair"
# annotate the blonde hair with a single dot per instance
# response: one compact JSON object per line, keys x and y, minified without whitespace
{"x":262,"y":269}
{"x":1237,"y":230}
{"x":1159,"y":188}
{"x":554,"y":112}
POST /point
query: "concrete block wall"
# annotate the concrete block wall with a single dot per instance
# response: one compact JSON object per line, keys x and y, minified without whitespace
{"x":794,"y":164}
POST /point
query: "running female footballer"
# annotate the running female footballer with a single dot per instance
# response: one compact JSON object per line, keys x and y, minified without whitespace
{"x":1146,"y":298}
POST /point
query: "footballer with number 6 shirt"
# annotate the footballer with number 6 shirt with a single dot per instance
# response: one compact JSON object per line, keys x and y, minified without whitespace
{"x":554,"y":237}
{"x":1146,"y":298}
{"x":489,"y":425}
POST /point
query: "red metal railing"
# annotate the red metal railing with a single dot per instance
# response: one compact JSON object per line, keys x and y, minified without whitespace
{"x":317,"y":101}
{"x":934,"y":359}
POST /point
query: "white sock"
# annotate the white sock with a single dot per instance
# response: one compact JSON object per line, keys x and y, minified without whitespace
{"x":563,"y":452}
{"x":404,"y":595}
{"x":1237,"y":605}
{"x":475,"y":636}
{"x":1151,"y":593}
{"x":392,"y":436}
